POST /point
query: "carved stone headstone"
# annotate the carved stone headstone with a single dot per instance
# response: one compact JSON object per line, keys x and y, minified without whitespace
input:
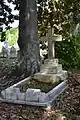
{"x":13,"y":52}
{"x":4,"y":52}
{"x":5,"y":49}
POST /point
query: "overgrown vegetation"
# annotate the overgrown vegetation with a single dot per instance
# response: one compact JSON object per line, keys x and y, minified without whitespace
{"x":68,"y":52}
{"x":37,"y":84}
{"x":11,"y":35}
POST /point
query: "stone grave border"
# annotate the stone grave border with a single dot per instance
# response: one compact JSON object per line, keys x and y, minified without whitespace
{"x":50,"y":96}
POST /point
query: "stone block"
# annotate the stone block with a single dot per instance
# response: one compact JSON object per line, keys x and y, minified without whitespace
{"x":63,"y":75}
{"x":51,"y":69}
{"x":13,"y":96}
{"x":31,"y":91}
{"x":51,"y":61}
{"x":43,"y":97}
{"x":21,"y":96}
{"x":32,"y":95}
{"x":46,"y":77}
{"x":57,"y":90}
{"x":11,"y":93}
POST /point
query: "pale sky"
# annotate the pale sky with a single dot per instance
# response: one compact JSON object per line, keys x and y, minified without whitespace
{"x":16,"y":22}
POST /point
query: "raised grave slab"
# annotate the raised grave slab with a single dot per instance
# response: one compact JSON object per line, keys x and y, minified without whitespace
{"x":31,"y":96}
{"x":51,"y":69}
{"x":51,"y":77}
{"x":30,"y":90}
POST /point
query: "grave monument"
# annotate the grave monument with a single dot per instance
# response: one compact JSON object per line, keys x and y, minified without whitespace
{"x":5,"y":49}
{"x":51,"y":72}
{"x":51,"y":69}
{"x":13,"y":52}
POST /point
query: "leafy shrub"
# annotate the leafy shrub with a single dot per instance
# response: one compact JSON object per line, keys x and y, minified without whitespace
{"x":68,"y":52}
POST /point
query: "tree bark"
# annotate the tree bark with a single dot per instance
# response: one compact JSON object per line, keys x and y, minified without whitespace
{"x":28,"y":42}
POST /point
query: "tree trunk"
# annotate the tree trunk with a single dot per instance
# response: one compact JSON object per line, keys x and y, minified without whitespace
{"x":28,"y":42}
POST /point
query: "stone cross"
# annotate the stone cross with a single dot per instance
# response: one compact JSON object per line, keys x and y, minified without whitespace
{"x":51,"y":38}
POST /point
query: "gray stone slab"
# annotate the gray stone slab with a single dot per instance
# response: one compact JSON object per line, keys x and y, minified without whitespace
{"x":46,"y":77}
{"x":43,"y":97}
{"x":11,"y":93}
{"x":51,"y":77}
{"x":51,"y":61}
{"x":51,"y":69}
{"x":57,"y":90}
{"x":32,"y":95}
{"x":21,"y":96}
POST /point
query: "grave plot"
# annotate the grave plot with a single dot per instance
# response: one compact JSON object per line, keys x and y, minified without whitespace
{"x":34,"y":95}
{"x":40,"y":90}
{"x":44,"y":87}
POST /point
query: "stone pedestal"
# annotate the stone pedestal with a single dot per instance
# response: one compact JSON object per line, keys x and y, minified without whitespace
{"x":51,"y":71}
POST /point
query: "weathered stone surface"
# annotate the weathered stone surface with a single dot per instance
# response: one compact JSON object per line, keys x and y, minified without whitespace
{"x":49,"y":69}
{"x":32,"y":94}
{"x":30,"y":90}
{"x":13,"y":52}
{"x":21,"y":96}
{"x":51,"y":61}
{"x":51,"y":77}
{"x":63,"y":75}
{"x":46,"y":77}
{"x":43,"y":98}
{"x":11,"y":93}
{"x":57,"y":90}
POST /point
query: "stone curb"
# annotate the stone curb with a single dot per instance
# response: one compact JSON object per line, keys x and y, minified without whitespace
{"x":47,"y":100}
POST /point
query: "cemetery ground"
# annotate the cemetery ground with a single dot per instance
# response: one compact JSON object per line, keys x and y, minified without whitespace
{"x":66,"y":107}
